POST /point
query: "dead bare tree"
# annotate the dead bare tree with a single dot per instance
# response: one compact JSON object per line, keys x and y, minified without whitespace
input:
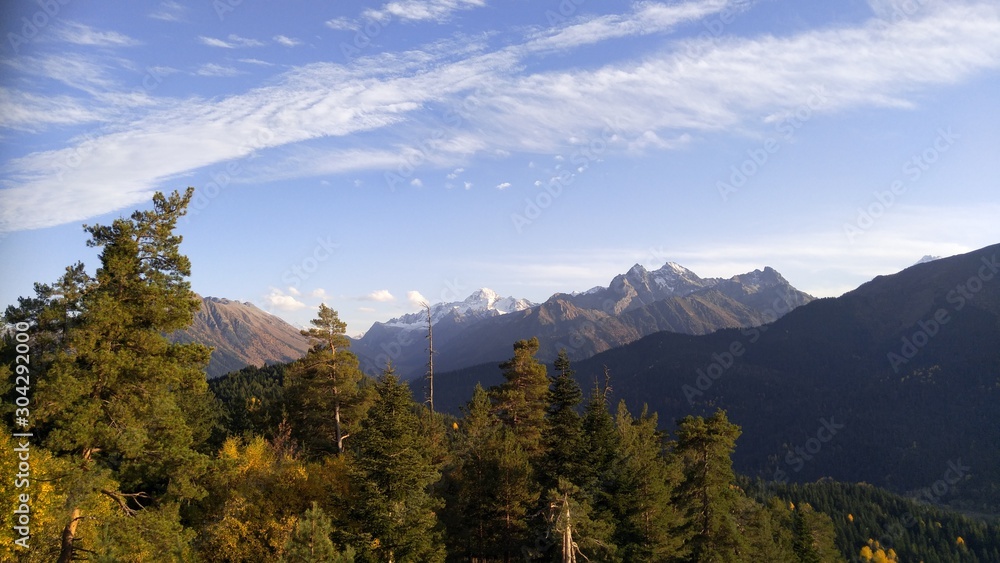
{"x":430,"y":358}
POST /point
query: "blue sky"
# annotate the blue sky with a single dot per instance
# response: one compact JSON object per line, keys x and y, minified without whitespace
{"x":372,"y":156}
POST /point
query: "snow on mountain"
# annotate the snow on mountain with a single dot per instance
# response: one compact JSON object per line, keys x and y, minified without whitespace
{"x":482,"y":302}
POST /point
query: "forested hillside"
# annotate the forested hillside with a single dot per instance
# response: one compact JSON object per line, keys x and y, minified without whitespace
{"x":134,"y":457}
{"x":889,"y":384}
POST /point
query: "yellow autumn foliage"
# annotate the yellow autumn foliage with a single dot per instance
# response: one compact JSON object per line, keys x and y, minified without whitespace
{"x":261,"y":494}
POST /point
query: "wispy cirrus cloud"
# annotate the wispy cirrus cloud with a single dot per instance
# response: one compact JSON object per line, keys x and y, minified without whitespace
{"x":80,"y":34}
{"x":342,"y":24}
{"x":660,"y":100}
{"x":170,"y":11}
{"x":232,"y":42}
{"x":213,"y":69}
{"x":423,"y":10}
{"x":286,"y":41}
{"x":32,"y":113}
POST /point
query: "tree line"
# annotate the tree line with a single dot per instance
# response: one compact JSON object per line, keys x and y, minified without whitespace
{"x":137,"y":458}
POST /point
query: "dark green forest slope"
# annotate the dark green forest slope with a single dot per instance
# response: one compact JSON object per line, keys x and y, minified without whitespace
{"x":888,"y":384}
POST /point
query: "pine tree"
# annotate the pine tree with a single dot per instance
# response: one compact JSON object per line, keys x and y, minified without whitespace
{"x":707,"y":495}
{"x":128,"y":407}
{"x":394,"y":510}
{"x":310,"y":543}
{"x":492,"y":487}
{"x":572,"y":530}
{"x":467,"y":515}
{"x":814,"y":536}
{"x":599,"y":452}
{"x":323,"y":387}
{"x":521,"y":401}
{"x":646,"y":518}
{"x":563,"y":431}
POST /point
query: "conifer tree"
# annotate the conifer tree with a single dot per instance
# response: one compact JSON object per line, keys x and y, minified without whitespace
{"x":707,"y":495}
{"x":563,"y":431}
{"x":468,"y":515}
{"x":599,"y":452}
{"x":493,"y":490}
{"x":129,"y":408}
{"x":310,"y":543}
{"x":814,"y":536}
{"x":573,"y":531}
{"x":394,"y":511}
{"x":521,"y":401}
{"x":642,"y":491}
{"x":323,"y":387}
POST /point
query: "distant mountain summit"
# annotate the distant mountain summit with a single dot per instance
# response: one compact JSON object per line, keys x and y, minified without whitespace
{"x":927,"y":258}
{"x":242,"y":335}
{"x":482,"y":327}
{"x":483,"y":303}
{"x":894,"y":383}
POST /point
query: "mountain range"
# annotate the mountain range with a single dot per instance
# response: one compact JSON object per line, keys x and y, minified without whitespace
{"x":635,"y":304}
{"x":896,"y":383}
{"x":242,"y":335}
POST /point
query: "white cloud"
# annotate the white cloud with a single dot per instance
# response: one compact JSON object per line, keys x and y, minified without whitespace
{"x":342,"y":24}
{"x":286,"y":41}
{"x":80,"y":34}
{"x":454,"y":174}
{"x":85,"y":73}
{"x":381,"y":295}
{"x":213,"y":42}
{"x":468,"y":185}
{"x":232,"y":42}
{"x":422,"y":10}
{"x":277,"y":299}
{"x":417,"y":183}
{"x":687,"y":87}
{"x":503,"y":186}
{"x":170,"y":11}
{"x":318,"y":293}
{"x":292,"y":290}
{"x":366,"y":309}
{"x":212,"y":69}
{"x":25,"y":111}
{"x":416,"y":299}
{"x":256,"y":62}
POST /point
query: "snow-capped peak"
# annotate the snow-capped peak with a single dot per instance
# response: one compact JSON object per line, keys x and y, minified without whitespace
{"x":482,"y":302}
